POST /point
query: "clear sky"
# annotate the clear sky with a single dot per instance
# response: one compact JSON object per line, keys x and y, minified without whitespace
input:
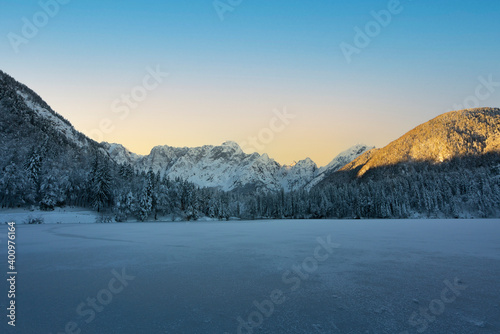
{"x":228,"y":77}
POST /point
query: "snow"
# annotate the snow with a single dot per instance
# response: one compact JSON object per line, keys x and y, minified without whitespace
{"x":118,"y":150}
{"x":58,"y":123}
{"x":228,"y":167}
{"x":348,"y":155}
{"x":233,"y":145}
{"x":338,"y":162}
{"x":58,"y":216}
{"x":200,"y":277}
{"x":225,"y":166}
{"x":296,"y":176}
{"x":68,"y":215}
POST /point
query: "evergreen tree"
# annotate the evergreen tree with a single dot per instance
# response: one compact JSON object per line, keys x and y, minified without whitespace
{"x":100,"y":183}
{"x":51,"y":193}
{"x":33,"y":168}
{"x":148,"y":200}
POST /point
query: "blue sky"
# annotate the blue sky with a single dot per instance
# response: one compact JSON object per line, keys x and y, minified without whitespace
{"x":227,"y":76}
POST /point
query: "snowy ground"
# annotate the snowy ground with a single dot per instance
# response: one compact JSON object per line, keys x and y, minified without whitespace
{"x":58,"y":216}
{"x":369,"y":277}
{"x":69,"y":215}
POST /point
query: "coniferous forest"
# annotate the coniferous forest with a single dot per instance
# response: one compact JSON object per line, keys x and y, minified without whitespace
{"x":461,"y":188}
{"x":45,"y":163}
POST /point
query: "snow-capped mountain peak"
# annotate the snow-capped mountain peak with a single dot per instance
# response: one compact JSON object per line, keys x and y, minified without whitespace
{"x":342,"y":159}
{"x":233,"y":145}
{"x":347,"y":156}
{"x":227,"y":166}
{"x":119,"y":150}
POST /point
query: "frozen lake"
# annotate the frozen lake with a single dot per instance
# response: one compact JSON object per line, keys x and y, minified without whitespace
{"x":405,"y":276}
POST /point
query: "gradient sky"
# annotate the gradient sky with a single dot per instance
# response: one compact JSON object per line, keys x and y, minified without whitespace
{"x":227,"y":76}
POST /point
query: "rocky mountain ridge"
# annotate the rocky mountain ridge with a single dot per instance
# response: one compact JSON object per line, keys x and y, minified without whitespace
{"x":228,"y":167}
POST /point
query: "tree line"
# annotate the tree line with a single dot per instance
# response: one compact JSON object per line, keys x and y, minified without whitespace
{"x":466,"y":187}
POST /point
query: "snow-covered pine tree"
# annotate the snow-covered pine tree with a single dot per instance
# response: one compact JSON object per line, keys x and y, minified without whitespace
{"x":147,"y":204}
{"x":100,"y":184}
{"x":12,"y":186}
{"x":49,"y":190}
{"x":164,"y":203}
{"x":33,"y":168}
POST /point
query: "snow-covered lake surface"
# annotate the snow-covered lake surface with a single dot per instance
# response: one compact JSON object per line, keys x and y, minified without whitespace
{"x":404,"y":276}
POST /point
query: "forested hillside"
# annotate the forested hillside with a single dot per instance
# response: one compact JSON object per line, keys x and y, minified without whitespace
{"x":447,"y":167}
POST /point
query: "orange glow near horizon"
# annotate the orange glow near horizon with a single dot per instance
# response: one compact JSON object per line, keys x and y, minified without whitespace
{"x":303,"y":137}
{"x":183,"y":112}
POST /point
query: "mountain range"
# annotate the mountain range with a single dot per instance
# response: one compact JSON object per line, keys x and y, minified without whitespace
{"x":27,"y":122}
{"x":228,"y":167}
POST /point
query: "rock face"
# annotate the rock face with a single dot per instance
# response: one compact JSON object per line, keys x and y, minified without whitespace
{"x":470,"y":132}
{"x":228,"y":167}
